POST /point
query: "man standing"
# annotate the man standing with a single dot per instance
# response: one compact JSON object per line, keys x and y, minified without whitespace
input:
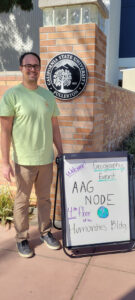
{"x":29,"y":120}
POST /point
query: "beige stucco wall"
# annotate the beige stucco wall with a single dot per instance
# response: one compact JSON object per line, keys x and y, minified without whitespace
{"x":129,"y":79}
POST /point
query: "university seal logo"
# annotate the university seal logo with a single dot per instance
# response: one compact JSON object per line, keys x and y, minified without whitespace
{"x":66,"y":76}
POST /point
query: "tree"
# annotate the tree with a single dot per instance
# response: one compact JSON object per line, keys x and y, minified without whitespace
{"x":62,"y":78}
{"x":8,"y":5}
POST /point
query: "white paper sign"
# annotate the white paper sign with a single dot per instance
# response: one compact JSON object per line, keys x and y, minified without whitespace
{"x":96,"y":200}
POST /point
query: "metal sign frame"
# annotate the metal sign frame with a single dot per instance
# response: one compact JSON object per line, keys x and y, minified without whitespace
{"x":95,"y":249}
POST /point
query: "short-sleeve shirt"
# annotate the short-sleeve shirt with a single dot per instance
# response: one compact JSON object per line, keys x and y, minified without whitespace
{"x":32,"y":136}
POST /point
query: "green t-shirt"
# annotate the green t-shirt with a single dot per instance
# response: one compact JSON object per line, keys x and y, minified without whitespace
{"x":32,"y":137}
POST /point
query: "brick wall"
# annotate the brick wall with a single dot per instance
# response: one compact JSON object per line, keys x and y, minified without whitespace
{"x":8,"y":79}
{"x":119,"y":115}
{"x":79,"y":122}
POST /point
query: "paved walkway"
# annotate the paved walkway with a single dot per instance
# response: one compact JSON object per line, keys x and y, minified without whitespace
{"x":52,"y":275}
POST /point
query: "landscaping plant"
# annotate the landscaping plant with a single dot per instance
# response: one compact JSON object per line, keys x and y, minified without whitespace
{"x":6,"y":205}
{"x":128,"y":144}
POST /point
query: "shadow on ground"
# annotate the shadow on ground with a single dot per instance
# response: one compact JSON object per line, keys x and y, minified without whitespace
{"x":129,"y":296}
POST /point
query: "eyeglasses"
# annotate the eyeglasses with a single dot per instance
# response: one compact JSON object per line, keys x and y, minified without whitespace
{"x":30,"y":67}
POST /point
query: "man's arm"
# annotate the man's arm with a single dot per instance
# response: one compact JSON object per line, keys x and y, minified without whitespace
{"x":56,"y":135}
{"x":6,"y":133}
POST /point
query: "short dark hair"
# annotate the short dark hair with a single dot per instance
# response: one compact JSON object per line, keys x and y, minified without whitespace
{"x":27,"y":53}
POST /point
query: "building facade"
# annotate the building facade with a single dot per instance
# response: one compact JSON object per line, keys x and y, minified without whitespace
{"x":112,"y":31}
{"x":19,"y":32}
{"x":127,"y":38}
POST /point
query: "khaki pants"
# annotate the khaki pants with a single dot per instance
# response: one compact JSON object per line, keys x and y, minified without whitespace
{"x":26,"y":176}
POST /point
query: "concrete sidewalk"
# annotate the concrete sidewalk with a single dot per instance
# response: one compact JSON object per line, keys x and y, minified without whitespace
{"x":52,"y":275}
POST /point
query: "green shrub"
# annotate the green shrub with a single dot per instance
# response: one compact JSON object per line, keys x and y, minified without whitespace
{"x":128,"y":144}
{"x":6,"y":205}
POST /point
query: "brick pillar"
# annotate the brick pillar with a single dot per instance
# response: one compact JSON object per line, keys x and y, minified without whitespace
{"x":82,"y":119}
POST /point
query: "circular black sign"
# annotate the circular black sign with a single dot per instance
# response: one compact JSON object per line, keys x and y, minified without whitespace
{"x":66,"y":76}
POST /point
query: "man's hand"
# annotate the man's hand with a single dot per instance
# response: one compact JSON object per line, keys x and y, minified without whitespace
{"x":7,"y":171}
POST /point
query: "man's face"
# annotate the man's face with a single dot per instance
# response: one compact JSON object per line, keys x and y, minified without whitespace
{"x":30,"y":68}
